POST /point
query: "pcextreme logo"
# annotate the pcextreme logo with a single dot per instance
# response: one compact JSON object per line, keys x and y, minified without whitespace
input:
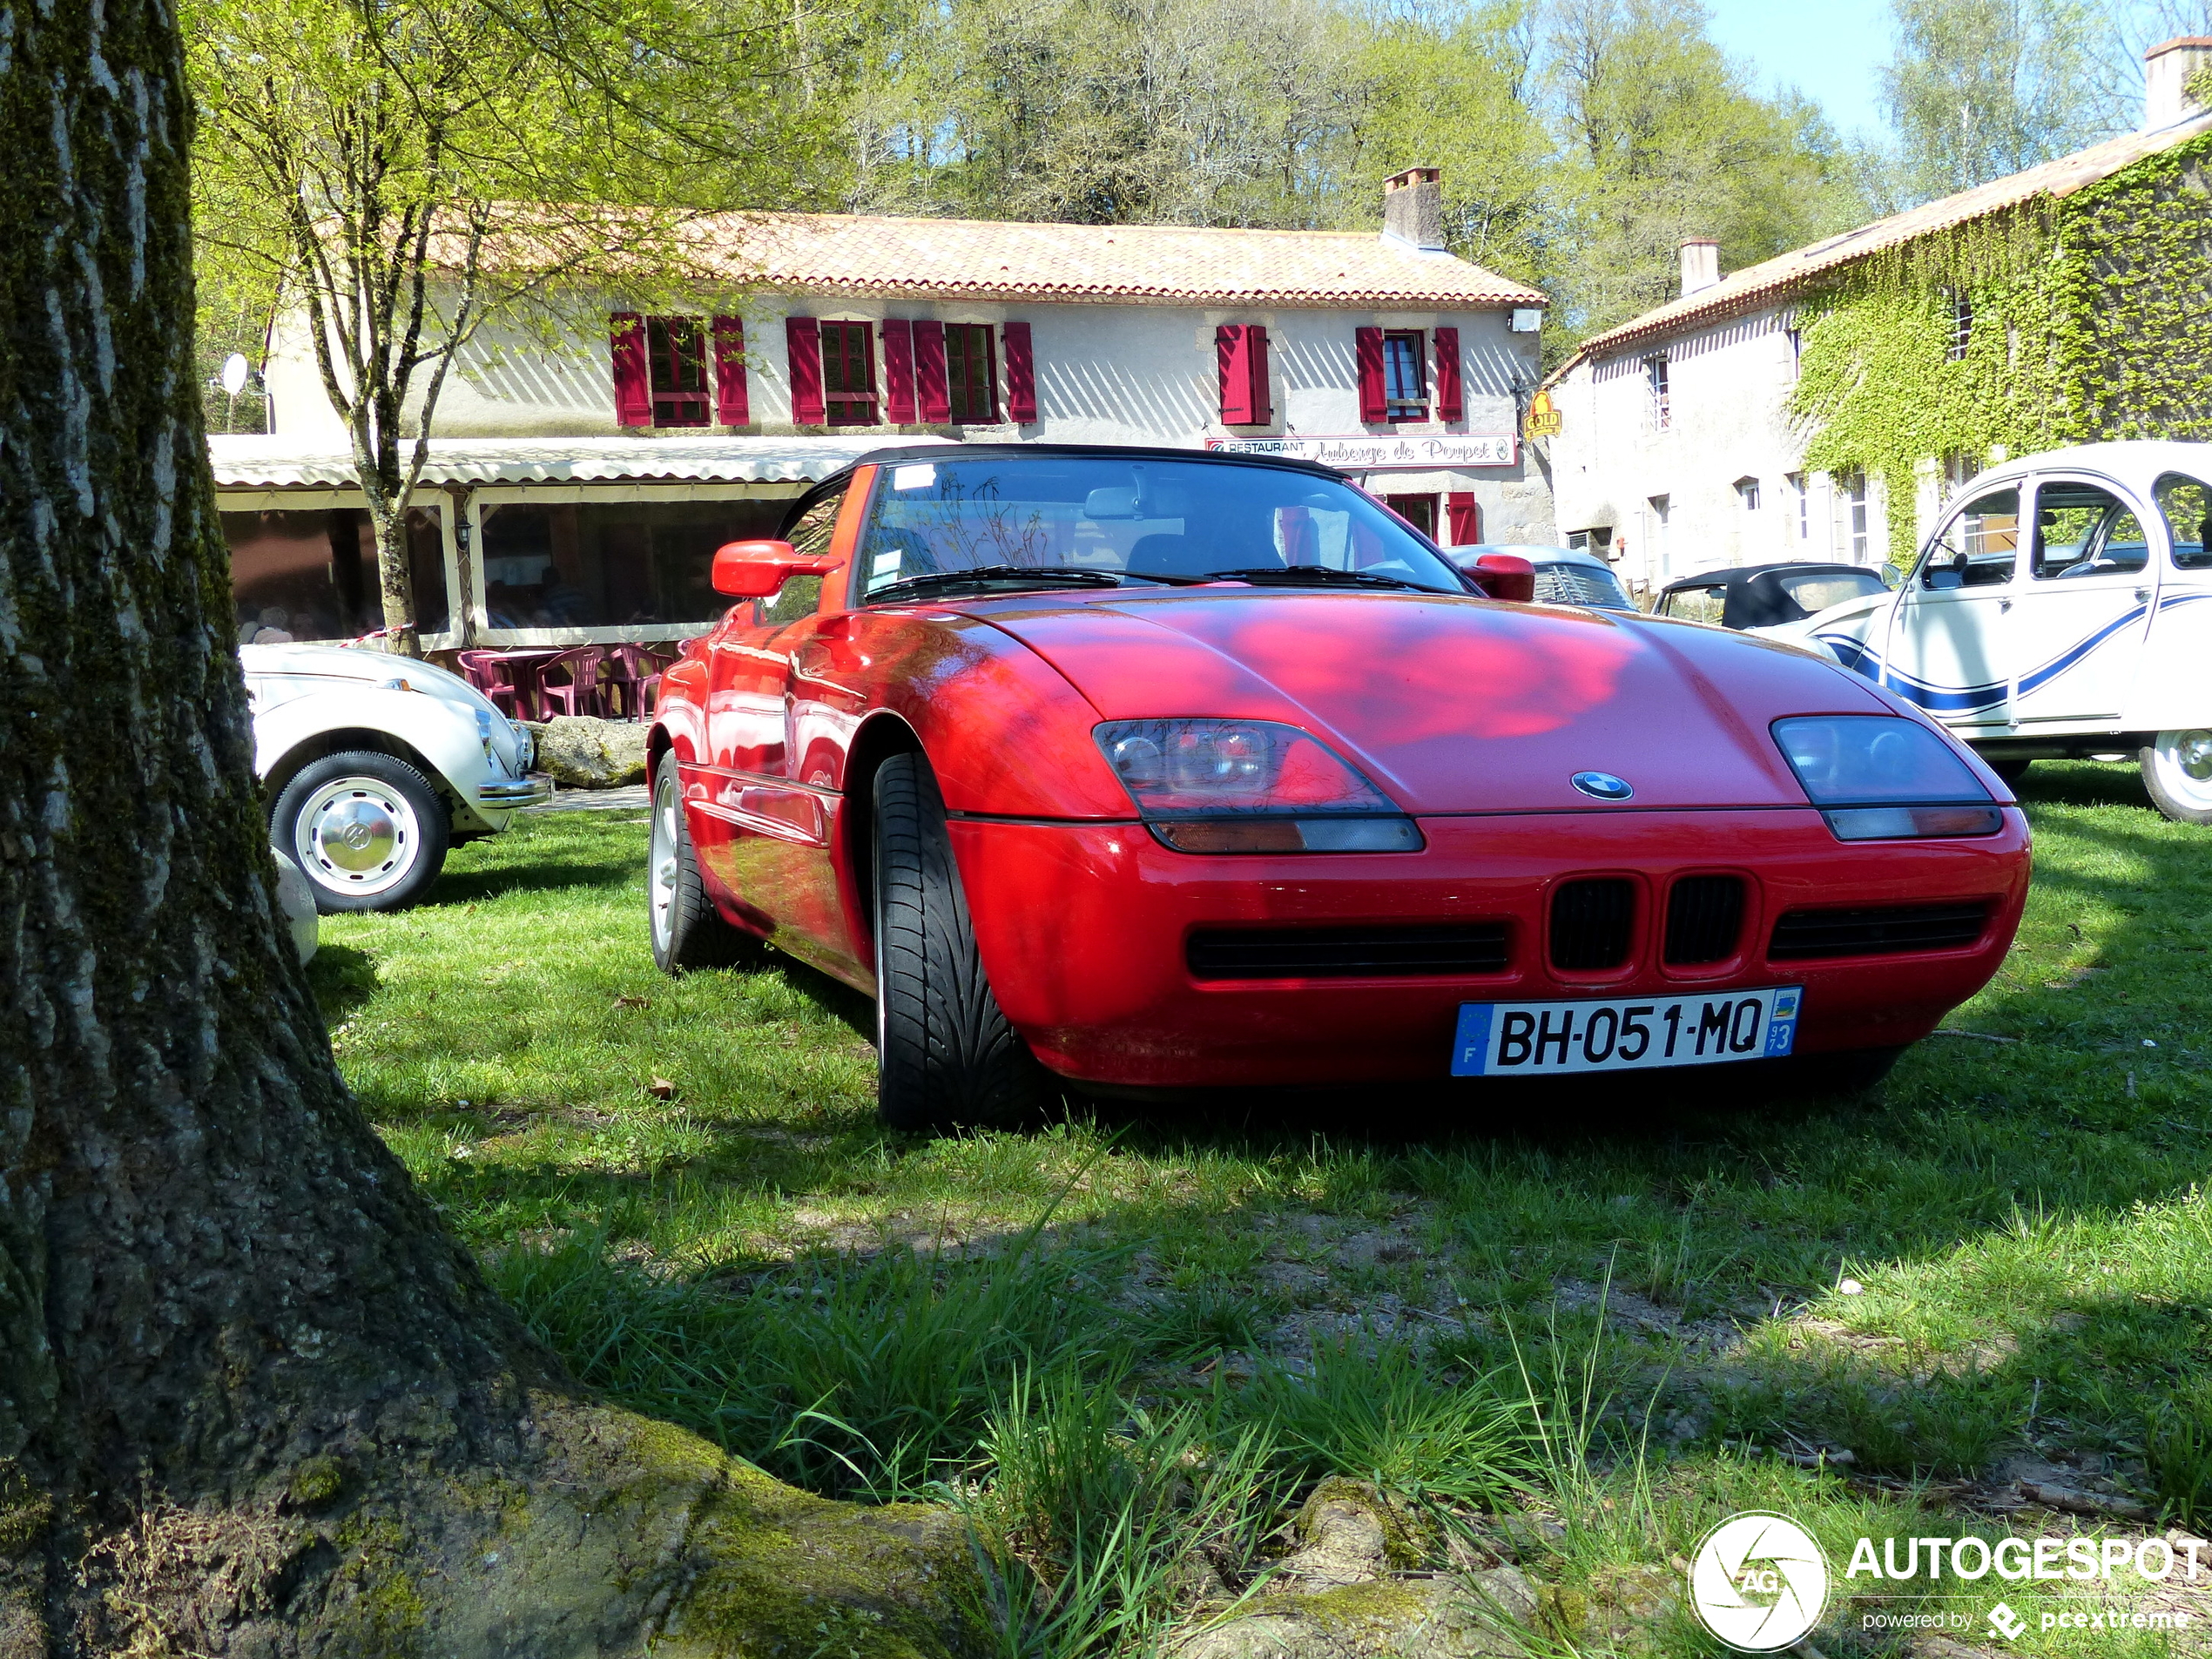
{"x":1758,"y":1581}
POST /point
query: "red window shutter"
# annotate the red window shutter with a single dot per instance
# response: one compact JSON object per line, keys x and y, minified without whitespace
{"x":898,"y":371}
{"x":1020,"y":373}
{"x":1462,"y":518}
{"x":1256,"y":359}
{"x":633,"y":381}
{"x":1233,"y":370}
{"x":1450,"y":404}
{"x":1367,"y":353}
{"x":732,"y":406}
{"x":932,"y":394}
{"x":802,"y":341}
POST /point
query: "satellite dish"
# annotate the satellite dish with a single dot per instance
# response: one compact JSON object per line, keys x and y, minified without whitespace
{"x":235,"y":369}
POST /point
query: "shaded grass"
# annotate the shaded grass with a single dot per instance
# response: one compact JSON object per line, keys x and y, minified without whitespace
{"x":2023,"y":1220}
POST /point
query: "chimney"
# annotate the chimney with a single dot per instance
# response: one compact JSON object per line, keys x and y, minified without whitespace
{"x":2166,"y":68}
{"x":1414,"y":208}
{"x":1700,"y":264}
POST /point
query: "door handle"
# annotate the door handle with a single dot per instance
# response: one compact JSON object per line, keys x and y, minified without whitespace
{"x":2142,"y":594}
{"x":2004,"y":605}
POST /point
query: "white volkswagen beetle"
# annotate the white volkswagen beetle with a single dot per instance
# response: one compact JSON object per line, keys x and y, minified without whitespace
{"x":376,"y":764}
{"x":2062,"y":608}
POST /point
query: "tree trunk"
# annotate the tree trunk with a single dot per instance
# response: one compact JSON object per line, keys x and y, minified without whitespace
{"x":253,"y":1398}
{"x":395,"y":579}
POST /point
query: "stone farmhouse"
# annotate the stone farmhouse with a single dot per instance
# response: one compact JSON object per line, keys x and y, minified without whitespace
{"x":1820,"y":405}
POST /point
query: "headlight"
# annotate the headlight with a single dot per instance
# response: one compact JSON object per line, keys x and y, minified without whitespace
{"x":483,"y":735}
{"x":1250,"y":786}
{"x":1879,"y":777}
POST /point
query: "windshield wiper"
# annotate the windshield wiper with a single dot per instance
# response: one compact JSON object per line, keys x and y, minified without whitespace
{"x":987,"y":575}
{"x":1315,"y":576}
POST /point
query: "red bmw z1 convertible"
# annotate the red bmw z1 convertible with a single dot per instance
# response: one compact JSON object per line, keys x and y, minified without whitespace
{"x":1151,"y":770}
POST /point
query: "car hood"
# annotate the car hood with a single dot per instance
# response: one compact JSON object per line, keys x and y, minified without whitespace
{"x":279,"y":673}
{"x":1452,"y":705}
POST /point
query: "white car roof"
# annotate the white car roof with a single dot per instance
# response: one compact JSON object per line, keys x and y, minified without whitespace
{"x":2137,"y":461}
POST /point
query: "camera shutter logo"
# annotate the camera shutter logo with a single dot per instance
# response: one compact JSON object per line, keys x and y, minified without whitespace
{"x":1758,"y":1581}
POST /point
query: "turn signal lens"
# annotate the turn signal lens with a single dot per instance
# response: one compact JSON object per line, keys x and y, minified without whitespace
{"x":1290,"y":834}
{"x":1913,"y":823}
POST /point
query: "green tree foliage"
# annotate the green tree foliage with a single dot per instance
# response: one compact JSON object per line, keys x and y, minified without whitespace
{"x":1980,"y":89}
{"x":1664,"y":140}
{"x":357,"y":160}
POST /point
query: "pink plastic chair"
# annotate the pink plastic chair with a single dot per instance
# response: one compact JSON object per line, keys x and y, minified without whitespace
{"x":493,"y":675}
{"x":632,"y":679}
{"x":570,"y":682}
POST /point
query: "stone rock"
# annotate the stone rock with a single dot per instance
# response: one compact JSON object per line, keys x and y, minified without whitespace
{"x":1478,"y":1616}
{"x":1350,"y":1533}
{"x":297,"y":900}
{"x":585,"y":753}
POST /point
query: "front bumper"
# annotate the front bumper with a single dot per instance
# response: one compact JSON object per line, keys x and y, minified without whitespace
{"x":1083,"y":931}
{"x":508,"y":794}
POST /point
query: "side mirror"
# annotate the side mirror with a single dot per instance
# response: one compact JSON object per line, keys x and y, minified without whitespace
{"x":1505,"y":575}
{"x":759,"y":569}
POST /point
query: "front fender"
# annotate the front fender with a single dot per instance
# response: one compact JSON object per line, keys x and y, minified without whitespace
{"x":443,"y":734}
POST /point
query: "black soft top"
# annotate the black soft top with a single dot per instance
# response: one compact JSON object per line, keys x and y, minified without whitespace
{"x":1755,"y":596}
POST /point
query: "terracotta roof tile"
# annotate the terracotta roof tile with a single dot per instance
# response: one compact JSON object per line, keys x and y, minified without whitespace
{"x":1759,"y":284}
{"x":955,"y":259}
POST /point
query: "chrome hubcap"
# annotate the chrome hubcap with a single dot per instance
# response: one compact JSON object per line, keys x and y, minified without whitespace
{"x":663,"y":862}
{"x":357,"y":835}
{"x":2192,"y":754}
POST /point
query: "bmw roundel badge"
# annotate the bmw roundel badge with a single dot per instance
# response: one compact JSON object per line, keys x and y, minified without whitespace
{"x":1602,"y":784}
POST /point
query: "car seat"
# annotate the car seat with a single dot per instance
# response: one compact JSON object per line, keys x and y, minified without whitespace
{"x":1166,"y":553}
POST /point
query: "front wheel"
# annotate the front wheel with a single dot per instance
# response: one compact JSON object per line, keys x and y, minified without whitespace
{"x":2177,"y":769}
{"x":946,"y":1056}
{"x":365,"y":829}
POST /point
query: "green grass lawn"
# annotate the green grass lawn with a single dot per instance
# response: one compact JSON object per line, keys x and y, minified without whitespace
{"x":1632,"y":1313}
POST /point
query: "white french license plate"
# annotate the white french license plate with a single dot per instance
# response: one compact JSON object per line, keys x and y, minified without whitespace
{"x":1548,"y":1039}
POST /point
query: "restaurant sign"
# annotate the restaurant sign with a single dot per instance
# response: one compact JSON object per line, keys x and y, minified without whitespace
{"x":1364,"y":454}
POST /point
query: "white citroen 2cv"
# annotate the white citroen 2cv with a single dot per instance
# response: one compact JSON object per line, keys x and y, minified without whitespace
{"x":2062,"y":608}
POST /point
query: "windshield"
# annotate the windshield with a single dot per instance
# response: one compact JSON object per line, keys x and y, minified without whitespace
{"x":1820,"y":589}
{"x":1101,"y":519}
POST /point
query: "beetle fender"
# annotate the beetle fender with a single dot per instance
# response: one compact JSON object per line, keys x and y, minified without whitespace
{"x":439,"y":733}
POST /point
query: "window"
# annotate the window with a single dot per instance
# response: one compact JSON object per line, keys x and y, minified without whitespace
{"x":1420,"y":511}
{"x":2081,"y":530}
{"x":1405,"y":375}
{"x":1977,"y":548}
{"x":848,"y":373}
{"x":1851,"y":486}
{"x":2188,"y":506}
{"x":1962,"y":325}
{"x":1747,"y":491}
{"x":1695,"y":604}
{"x":600,"y":564}
{"x":1595,"y":543}
{"x":1655,"y":374}
{"x":1657,"y":512}
{"x":971,"y":372}
{"x":1795,"y":340}
{"x":311,"y":575}
{"x":1959,"y":469}
{"x":1801,"y":493}
{"x":676,"y":365}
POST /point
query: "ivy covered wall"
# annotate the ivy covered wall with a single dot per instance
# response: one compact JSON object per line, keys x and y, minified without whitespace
{"x":2092,"y":320}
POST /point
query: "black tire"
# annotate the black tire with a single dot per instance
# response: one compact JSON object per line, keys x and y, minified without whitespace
{"x":945,"y":1057}
{"x":2177,"y":771}
{"x":2010,"y":771}
{"x":686,"y":930}
{"x":366,"y":828}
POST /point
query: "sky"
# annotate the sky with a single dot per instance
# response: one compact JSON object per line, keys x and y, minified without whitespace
{"x":1828,"y":49}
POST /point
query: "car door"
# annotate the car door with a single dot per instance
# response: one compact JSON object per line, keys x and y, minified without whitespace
{"x":766,"y":834}
{"x":1947,"y":649}
{"x":2082,"y":607}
